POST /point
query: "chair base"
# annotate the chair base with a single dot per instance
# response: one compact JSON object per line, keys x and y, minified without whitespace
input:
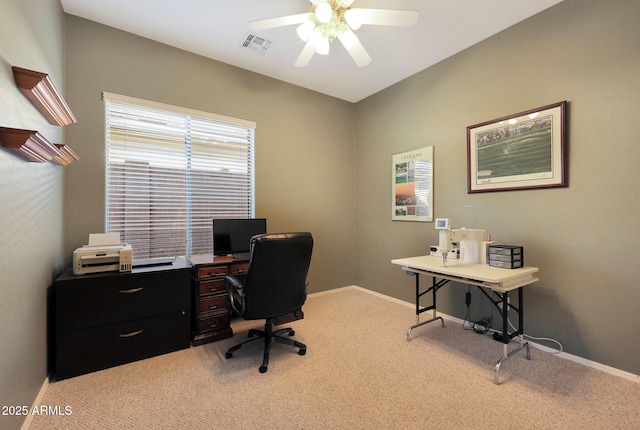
{"x":269,"y":336}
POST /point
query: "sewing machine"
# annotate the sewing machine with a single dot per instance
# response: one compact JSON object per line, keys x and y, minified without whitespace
{"x":471,"y":242}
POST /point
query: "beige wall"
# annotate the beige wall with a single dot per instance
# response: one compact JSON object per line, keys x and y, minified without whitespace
{"x":31,"y":36}
{"x":582,"y":237}
{"x":304,"y":140}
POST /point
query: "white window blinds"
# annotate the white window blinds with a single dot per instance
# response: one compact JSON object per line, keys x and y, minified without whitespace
{"x":170,"y":171}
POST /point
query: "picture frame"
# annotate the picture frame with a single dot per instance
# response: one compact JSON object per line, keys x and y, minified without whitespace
{"x":412,"y":185}
{"x":527,"y":150}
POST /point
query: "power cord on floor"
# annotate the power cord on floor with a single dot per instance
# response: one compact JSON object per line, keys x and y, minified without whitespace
{"x":558,"y":351}
{"x":548,"y":339}
{"x":482,"y":326}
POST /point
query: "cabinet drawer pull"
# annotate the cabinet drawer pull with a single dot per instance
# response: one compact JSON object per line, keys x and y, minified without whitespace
{"x":133,"y":333}
{"x":131,"y":291}
{"x":212,"y":308}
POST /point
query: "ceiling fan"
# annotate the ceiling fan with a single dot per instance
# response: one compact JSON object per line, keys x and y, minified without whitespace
{"x":331,"y":19}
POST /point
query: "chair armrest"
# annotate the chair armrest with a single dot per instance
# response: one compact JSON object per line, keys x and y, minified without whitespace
{"x":235,"y":291}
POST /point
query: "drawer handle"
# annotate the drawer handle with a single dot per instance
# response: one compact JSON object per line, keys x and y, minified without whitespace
{"x":212,"y":308}
{"x":131,"y":291}
{"x":133,"y":333}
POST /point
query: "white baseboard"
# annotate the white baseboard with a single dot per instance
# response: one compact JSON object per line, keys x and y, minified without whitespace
{"x":592,"y":364}
{"x":36,"y":403}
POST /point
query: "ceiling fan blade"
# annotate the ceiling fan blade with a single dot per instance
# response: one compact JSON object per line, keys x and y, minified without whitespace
{"x":397,"y":18}
{"x":263,"y":24}
{"x":307,"y":52}
{"x":353,"y":46}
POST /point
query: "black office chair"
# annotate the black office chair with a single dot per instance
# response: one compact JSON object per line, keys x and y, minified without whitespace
{"x":275,"y":286}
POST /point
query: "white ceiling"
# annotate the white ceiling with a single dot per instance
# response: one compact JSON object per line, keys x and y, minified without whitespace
{"x":217,"y":28}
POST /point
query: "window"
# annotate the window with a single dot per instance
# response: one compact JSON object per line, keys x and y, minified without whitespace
{"x":169,"y":171}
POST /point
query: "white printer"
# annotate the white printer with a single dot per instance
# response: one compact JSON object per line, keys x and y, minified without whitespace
{"x":104,"y":253}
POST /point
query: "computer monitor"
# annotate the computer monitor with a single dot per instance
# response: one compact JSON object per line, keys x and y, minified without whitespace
{"x":233,"y":236}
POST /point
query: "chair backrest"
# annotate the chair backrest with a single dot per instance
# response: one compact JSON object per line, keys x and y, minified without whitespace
{"x":276,"y":281}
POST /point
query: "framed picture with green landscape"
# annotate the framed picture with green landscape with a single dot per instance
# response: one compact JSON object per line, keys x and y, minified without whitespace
{"x":412,"y":185}
{"x":526,"y":150}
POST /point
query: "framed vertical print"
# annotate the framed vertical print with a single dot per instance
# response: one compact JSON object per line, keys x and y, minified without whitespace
{"x":522,"y":151}
{"x":412,"y":185}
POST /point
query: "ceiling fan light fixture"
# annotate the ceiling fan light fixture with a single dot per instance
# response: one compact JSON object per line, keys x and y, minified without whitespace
{"x":335,"y":19}
{"x":324,"y":12}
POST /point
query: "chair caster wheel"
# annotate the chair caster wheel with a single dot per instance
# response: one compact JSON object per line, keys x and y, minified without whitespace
{"x":302,"y":351}
{"x":262,"y":369}
{"x":228,"y":355}
{"x":292,"y":333}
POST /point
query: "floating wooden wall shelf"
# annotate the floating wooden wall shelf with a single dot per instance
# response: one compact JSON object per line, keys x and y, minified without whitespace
{"x":67,"y":157}
{"x":29,"y":144}
{"x":42,"y":92}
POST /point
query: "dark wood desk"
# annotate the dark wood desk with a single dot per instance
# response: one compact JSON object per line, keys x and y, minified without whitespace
{"x":211,"y":308}
{"x":102,"y":320}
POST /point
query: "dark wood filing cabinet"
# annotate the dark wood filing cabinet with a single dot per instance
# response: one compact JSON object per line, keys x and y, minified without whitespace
{"x":107,"y":319}
{"x":211,"y":309}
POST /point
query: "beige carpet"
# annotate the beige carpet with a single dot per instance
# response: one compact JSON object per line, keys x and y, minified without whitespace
{"x":359,"y":373}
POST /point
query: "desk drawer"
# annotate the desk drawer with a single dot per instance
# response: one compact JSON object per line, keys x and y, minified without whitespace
{"x":214,"y":322}
{"x":87,"y":350}
{"x":239,"y":269}
{"x":212,"y":271}
{"x":92,"y":302}
{"x":213,"y":304}
{"x":217,"y":286}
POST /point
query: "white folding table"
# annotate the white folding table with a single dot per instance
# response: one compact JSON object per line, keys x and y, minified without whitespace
{"x":498,"y":280}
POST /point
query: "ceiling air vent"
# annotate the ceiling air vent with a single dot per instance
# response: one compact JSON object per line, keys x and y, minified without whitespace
{"x":256,"y":43}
